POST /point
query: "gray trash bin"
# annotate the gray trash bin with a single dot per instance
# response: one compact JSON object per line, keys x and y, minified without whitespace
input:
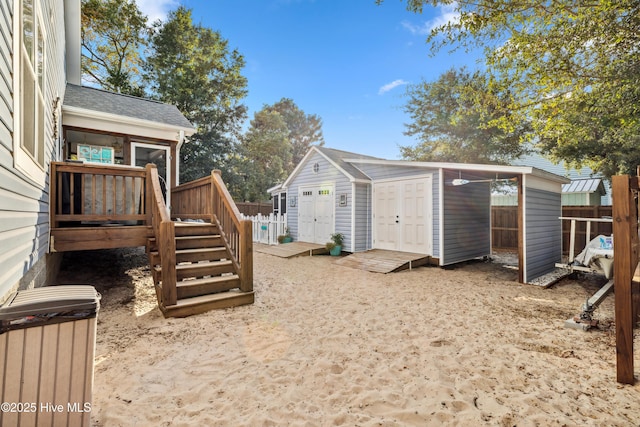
{"x":47,"y":349}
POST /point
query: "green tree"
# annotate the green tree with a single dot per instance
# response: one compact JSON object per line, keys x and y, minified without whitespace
{"x":305,"y":130}
{"x":266,"y":154}
{"x":192,"y":67}
{"x":454,"y":119}
{"x":113,"y":33}
{"x":573,"y":68}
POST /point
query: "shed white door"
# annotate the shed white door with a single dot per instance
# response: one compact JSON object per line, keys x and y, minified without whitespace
{"x":316,"y":214}
{"x":403,"y":215}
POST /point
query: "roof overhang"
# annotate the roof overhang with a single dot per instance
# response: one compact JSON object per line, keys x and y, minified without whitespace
{"x":275,"y":189}
{"x":106,"y":122}
{"x":470,"y":167}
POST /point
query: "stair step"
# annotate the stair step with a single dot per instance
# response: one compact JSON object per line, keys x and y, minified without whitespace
{"x":193,"y":255}
{"x":200,"y":304}
{"x":193,"y":242}
{"x":201,"y":254}
{"x":209,"y":285}
{"x":201,"y":269}
{"x":195,"y":229}
{"x":151,"y":244}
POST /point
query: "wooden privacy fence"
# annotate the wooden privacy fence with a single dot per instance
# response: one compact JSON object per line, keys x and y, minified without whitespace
{"x":254,"y":208}
{"x":504,"y":226}
{"x":267,"y":228}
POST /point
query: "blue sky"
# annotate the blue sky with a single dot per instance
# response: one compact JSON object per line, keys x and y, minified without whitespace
{"x":347,"y":61}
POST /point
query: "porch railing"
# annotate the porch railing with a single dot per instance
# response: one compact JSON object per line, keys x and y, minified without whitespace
{"x":164,"y":233}
{"x":87,"y":193}
{"x":208,"y":199}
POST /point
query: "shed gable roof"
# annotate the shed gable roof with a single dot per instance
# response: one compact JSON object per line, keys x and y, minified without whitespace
{"x":337,"y":159}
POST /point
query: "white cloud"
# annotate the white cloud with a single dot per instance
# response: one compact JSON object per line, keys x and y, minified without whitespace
{"x":447,"y":15}
{"x":157,"y":9}
{"x":390,"y":86}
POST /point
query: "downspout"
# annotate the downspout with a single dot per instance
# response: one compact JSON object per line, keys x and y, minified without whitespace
{"x":441,"y":216}
{"x":522,"y":224}
{"x":73,"y":48}
{"x":181,"y":140}
{"x":353,"y":217}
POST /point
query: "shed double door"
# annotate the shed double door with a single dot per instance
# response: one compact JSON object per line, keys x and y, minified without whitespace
{"x":403,"y":215}
{"x":316,"y":214}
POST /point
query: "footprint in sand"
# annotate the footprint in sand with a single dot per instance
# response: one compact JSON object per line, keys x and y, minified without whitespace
{"x":265,"y":341}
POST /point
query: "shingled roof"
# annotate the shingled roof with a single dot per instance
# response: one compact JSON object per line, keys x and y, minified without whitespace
{"x":339,"y":156}
{"x":102,"y":101}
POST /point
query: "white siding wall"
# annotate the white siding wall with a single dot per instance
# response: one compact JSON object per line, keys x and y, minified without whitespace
{"x":327,"y":174}
{"x":376,"y":172}
{"x":363,"y":218}
{"x":24,"y":202}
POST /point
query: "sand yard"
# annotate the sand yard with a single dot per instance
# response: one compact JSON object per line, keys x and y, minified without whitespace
{"x":325,"y":345}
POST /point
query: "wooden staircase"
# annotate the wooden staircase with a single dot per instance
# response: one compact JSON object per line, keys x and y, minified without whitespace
{"x":206,"y":276}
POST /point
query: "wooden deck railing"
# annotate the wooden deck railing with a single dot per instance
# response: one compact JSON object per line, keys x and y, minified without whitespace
{"x":97,"y":193}
{"x":208,"y":199}
{"x":164,"y":233}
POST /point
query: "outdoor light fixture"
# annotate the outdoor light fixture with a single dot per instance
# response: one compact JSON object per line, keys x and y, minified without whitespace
{"x":461,"y":181}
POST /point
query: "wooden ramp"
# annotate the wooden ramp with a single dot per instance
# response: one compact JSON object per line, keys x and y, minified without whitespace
{"x":382,"y":261}
{"x":290,"y":250}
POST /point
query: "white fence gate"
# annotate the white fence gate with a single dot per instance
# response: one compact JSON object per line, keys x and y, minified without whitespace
{"x":267,"y":228}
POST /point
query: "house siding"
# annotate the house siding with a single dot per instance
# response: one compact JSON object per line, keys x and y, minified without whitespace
{"x":362,"y":218}
{"x":543,"y":232}
{"x":327,"y":174}
{"x":24,"y":202}
{"x":435,"y":191}
{"x":466,"y":222}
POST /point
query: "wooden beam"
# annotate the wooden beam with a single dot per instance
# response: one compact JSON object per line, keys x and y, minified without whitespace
{"x":89,"y":238}
{"x":167,"y":248}
{"x":625,"y":262}
{"x":520,"y":230}
{"x":246,"y":256}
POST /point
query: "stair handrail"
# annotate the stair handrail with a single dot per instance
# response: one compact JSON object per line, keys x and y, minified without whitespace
{"x":240,"y":242}
{"x":164,"y":233}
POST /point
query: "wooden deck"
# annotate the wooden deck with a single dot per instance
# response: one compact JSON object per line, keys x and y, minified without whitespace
{"x":290,"y":250}
{"x":382,"y":261}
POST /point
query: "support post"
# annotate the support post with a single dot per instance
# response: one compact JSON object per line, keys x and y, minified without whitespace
{"x":148,"y":196}
{"x":167,"y":248}
{"x":572,"y":240}
{"x":246,"y":256}
{"x":521,"y":248}
{"x":625,"y":239}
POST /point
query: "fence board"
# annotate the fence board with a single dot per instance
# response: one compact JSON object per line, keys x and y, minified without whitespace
{"x":267,"y":228}
{"x":253,"y":209}
{"x":504,"y":226}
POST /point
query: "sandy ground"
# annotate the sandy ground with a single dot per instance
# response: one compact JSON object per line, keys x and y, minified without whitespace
{"x":325,"y":345}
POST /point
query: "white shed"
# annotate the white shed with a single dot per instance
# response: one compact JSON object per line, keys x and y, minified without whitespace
{"x":442,"y":210}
